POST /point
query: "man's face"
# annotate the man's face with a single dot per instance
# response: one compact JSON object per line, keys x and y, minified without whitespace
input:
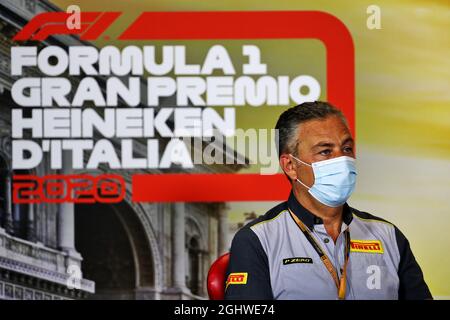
{"x":319,"y":140}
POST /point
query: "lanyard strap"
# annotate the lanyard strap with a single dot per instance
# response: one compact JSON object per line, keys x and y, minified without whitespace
{"x":340,"y":282}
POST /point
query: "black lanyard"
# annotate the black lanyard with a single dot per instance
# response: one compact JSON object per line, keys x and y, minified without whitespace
{"x":339,"y":281}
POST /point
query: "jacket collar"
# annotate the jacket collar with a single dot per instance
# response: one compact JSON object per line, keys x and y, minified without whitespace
{"x":310,"y":219}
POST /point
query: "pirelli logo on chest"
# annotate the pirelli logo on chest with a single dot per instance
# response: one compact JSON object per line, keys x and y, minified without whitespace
{"x":367,"y":246}
{"x":237,"y":278}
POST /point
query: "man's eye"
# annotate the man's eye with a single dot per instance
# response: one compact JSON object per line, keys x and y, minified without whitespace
{"x":325,"y":152}
{"x":348,"y":149}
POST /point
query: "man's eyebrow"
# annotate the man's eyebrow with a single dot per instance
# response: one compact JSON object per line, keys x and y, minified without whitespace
{"x":323,"y":144}
{"x":349,"y":139}
{"x":330,"y":144}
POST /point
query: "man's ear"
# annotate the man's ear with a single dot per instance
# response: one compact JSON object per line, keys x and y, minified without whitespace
{"x":288,"y":166}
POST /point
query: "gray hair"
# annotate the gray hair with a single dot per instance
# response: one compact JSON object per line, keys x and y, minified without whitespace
{"x":287,"y":124}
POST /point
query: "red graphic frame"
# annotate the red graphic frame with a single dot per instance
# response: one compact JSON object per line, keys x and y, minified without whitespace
{"x":227,"y":25}
{"x":245,"y":25}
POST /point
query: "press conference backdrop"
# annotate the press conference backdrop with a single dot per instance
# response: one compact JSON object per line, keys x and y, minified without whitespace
{"x":402,"y":111}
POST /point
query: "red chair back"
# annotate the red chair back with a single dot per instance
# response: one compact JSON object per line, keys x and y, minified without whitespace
{"x":216,"y":277}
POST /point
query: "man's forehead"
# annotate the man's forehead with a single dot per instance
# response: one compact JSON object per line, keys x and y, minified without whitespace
{"x":331,"y":128}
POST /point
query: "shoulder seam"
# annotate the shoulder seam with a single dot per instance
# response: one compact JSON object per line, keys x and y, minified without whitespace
{"x":372,"y":220}
{"x":268,"y":220}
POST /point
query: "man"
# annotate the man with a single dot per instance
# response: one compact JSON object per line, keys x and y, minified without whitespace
{"x":314,"y":245}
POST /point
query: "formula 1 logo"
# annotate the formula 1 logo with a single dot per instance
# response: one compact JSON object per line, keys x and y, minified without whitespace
{"x":215,"y":25}
{"x":92,"y":25}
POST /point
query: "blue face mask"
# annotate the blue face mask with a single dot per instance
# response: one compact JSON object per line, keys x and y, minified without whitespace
{"x":334,"y":180}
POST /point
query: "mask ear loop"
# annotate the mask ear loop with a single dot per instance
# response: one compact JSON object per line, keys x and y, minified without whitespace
{"x":299,"y":160}
{"x":303,"y":163}
{"x":303,"y":184}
